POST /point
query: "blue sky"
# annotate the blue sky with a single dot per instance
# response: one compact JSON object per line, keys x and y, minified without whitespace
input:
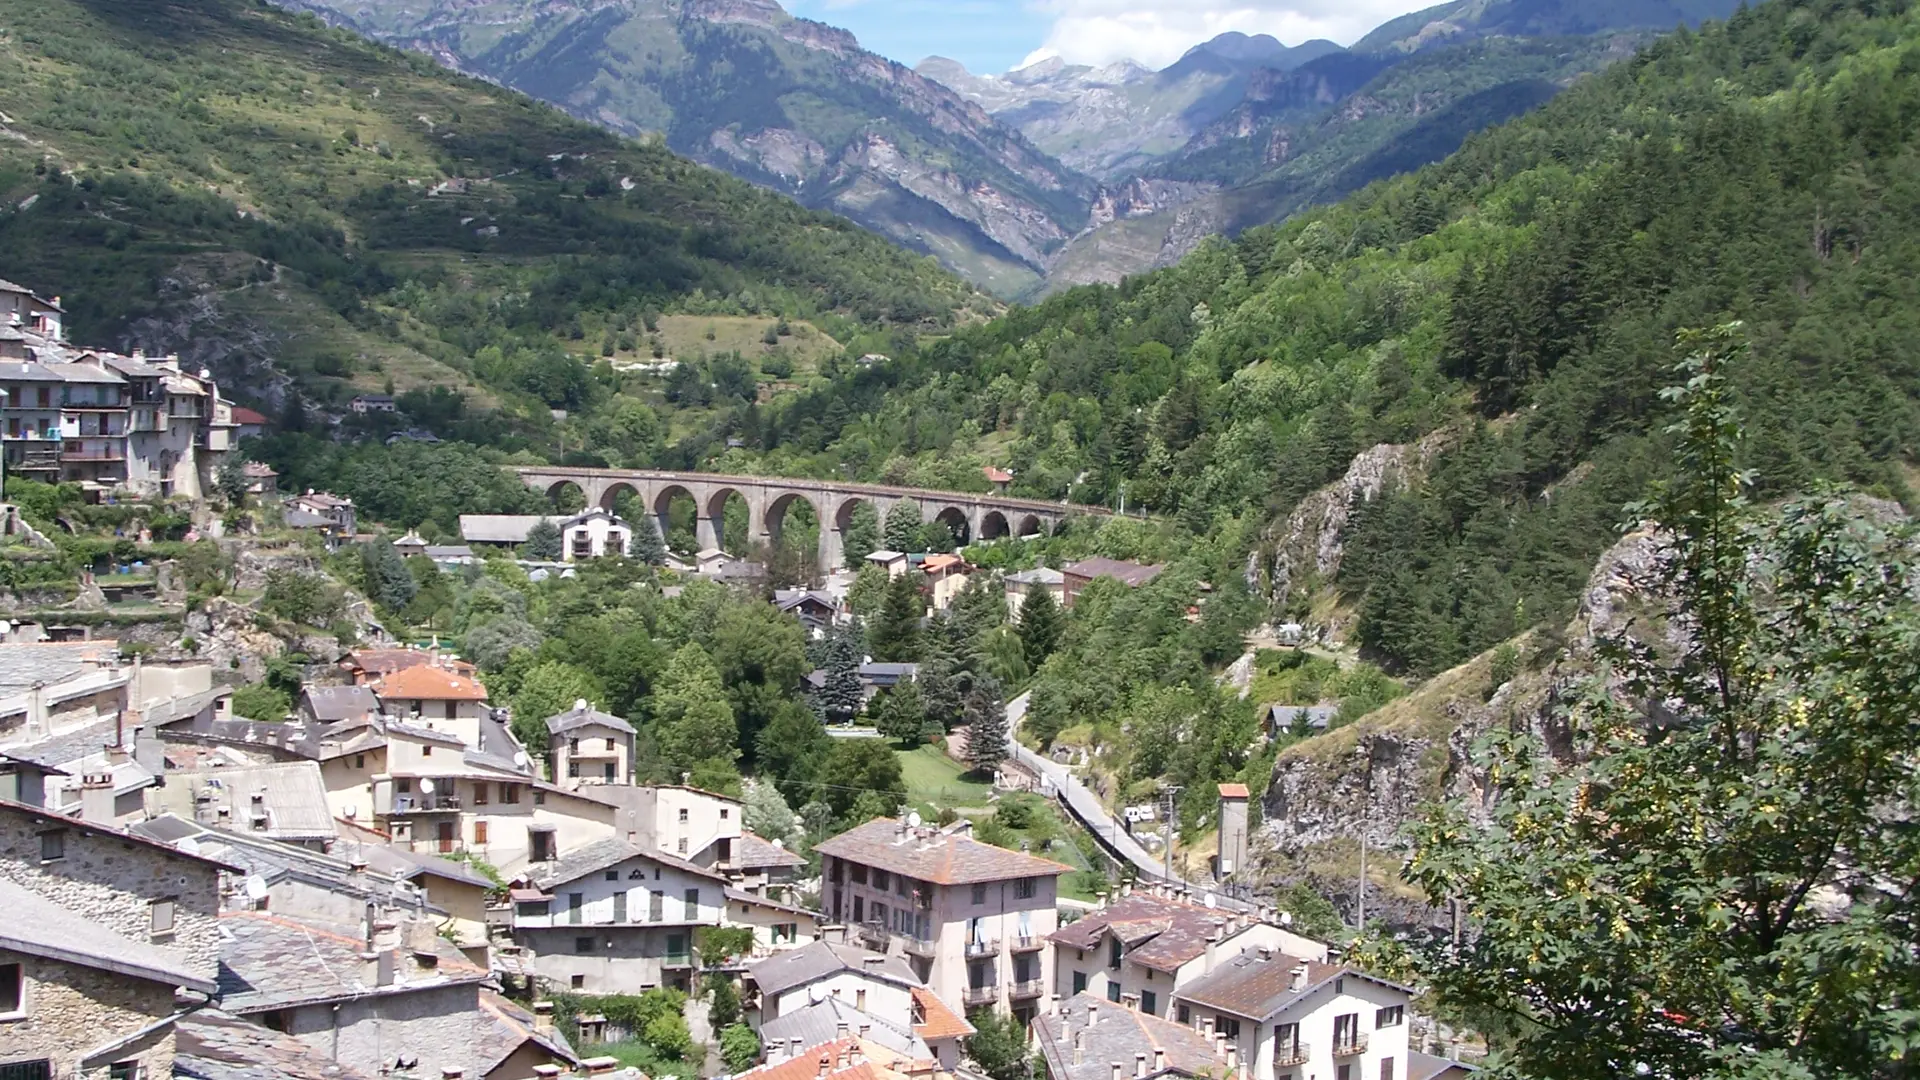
{"x":995,"y":35}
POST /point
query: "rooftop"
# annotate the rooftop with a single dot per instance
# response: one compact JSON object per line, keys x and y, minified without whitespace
{"x":214,"y":1045}
{"x":508,"y":1028}
{"x":430,"y":684}
{"x":1108,"y":1033}
{"x":1043,"y":575}
{"x":272,"y":961}
{"x":1260,"y":983}
{"x":842,"y":1059}
{"x":1159,"y":933}
{"x":782,"y":972}
{"x":933,"y":855}
{"x":330,"y":703}
{"x":39,"y":927}
{"x":584,"y":715}
{"x":1130,"y":574}
{"x":387,"y":661}
{"x":752,"y":852}
{"x":823,"y":1021}
{"x":938,"y":1020}
{"x":23,"y":665}
{"x":289,"y":796}
{"x":8,"y":806}
{"x":601,"y":854}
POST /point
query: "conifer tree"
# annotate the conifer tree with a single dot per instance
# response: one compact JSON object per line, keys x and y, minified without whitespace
{"x":839,"y":698}
{"x":693,"y":721}
{"x":647,"y":545}
{"x":903,"y":526}
{"x":389,"y":581}
{"x":901,"y":714}
{"x":544,"y":541}
{"x":986,"y":717}
{"x":862,"y":536}
{"x":1041,"y":626}
{"x":895,"y":634}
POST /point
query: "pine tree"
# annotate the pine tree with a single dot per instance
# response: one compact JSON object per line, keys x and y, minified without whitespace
{"x":647,"y":545}
{"x":903,"y":526}
{"x":693,"y":720}
{"x":389,"y":581}
{"x":942,"y":699}
{"x":1041,"y":626}
{"x":895,"y":634}
{"x":544,"y":542}
{"x":839,"y":697}
{"x":901,"y":714}
{"x":986,"y":717}
{"x":862,"y":537}
{"x":232,"y":479}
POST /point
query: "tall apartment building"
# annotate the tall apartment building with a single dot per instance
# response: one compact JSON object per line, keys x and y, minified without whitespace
{"x":972,"y":919}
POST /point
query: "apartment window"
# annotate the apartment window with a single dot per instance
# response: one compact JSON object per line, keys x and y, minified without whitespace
{"x":683,"y":815}
{"x":693,"y":903}
{"x":509,"y":793}
{"x":1113,"y":989}
{"x":539,"y":797}
{"x":403,"y":785}
{"x":859,"y":909}
{"x":900,"y":882}
{"x":453,"y":710}
{"x":610,"y":746}
{"x":1149,"y":1001}
{"x":613,"y":875}
{"x":656,"y":907}
{"x":882,"y":879}
{"x":1183,"y":1014}
{"x":480,"y":794}
{"x":160,"y":916}
{"x":1391,"y":1016}
{"x":573,"y":746}
{"x":683,"y":845}
{"x":359,"y":761}
{"x":619,"y":907}
{"x":573,"y":768}
{"x":479,"y":832}
{"x":13,"y":991}
{"x":1386,"y":1069}
{"x":53,"y":845}
{"x":723,"y":810}
{"x":574,"y":902}
{"x":1228,"y":1026}
{"x":1023,"y":889}
{"x":1079,"y":981}
{"x":1113,"y":954}
{"x":979,"y":894}
{"x":426,"y":751}
{"x":579,"y":982}
{"x":859,"y":874}
{"x":1343,"y":1072}
{"x":124,"y":1070}
{"x":608,"y":772}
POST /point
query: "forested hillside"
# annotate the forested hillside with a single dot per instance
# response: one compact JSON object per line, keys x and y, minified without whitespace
{"x":299,"y":208}
{"x":1520,"y":299}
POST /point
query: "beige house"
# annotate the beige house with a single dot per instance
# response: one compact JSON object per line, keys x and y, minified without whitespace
{"x":443,"y":700}
{"x":615,"y":918}
{"x":972,"y":919}
{"x":1140,"y":949}
{"x":78,"y":1000}
{"x":1291,"y":1018}
{"x":1043,"y":579}
{"x":777,"y":927}
{"x":587,"y":746}
{"x":832,"y":989}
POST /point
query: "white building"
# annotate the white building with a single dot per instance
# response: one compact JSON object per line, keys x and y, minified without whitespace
{"x":587,"y":746}
{"x":1292,"y":1018}
{"x":591,"y":534}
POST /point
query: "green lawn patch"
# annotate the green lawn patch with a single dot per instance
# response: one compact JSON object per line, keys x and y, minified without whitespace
{"x":935,"y":780}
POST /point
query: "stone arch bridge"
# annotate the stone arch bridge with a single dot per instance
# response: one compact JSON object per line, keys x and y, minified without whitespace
{"x":977,"y":516}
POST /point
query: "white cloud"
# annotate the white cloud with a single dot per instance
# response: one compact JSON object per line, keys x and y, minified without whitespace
{"x":1158,"y":32}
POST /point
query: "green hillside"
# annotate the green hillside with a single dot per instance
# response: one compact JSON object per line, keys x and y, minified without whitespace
{"x":1521,"y":299}
{"x":297,"y":207}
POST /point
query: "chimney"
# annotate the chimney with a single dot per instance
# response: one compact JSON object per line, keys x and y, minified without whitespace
{"x":1093,"y":1014}
{"x":840,"y":1030}
{"x":1080,"y":1047}
{"x":1119,"y":1071}
{"x":794,"y":1047}
{"x":1233,"y":1057}
{"x":1213,"y":950}
{"x":1140,"y":1065}
{"x":835,"y":933}
{"x":543,"y":1017}
{"x":1299,"y":978}
{"x":826,"y":1065}
{"x":1219,"y":1044}
{"x":866,"y":1031}
{"x":450,"y":1072}
{"x":1159,"y":1059}
{"x":1206,"y":1027}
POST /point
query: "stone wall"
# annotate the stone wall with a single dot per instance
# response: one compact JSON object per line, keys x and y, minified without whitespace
{"x":438,"y":1027}
{"x":113,"y":879}
{"x":71,"y":1010}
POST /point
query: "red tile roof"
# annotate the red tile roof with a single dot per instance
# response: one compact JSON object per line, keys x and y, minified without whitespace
{"x":1234,"y":791}
{"x":940,"y":1021}
{"x":842,"y":1059}
{"x":423,"y":683}
{"x":246,"y":416}
{"x":998,"y":476}
{"x":933,"y":855}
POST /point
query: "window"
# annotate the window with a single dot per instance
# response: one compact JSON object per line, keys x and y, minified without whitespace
{"x":575,"y":901}
{"x":583,"y":945}
{"x":579,"y":982}
{"x":509,"y":793}
{"x":1183,"y":1014}
{"x":723,"y":810}
{"x":573,"y":768}
{"x":859,"y":909}
{"x":1079,"y":981}
{"x":693,"y":903}
{"x":13,"y":990}
{"x":539,"y":797}
{"x":610,"y":746}
{"x":1149,"y":1001}
{"x":480,"y":832}
{"x":1386,"y":1069}
{"x":53,"y":845}
{"x":1392,"y":1016}
{"x":1343,"y":1072}
{"x":480,"y":794}
{"x":683,"y":815}
{"x":403,"y":785}
{"x":160,"y":916}
{"x":859,"y":874}
{"x":1023,"y":889}
{"x":573,"y":746}
{"x":1113,"y":989}
{"x":608,"y":773}
{"x":1346,"y":1030}
{"x":453,"y":710}
{"x":124,"y":1070}
{"x":1113,"y":954}
{"x":619,"y":907}
{"x":683,"y":845}
{"x":426,"y":751}
{"x":1228,"y":1026}
{"x":613,"y":875}
{"x":359,"y":761}
{"x":881,"y":880}
{"x":979,"y":894}
{"x":656,"y":907}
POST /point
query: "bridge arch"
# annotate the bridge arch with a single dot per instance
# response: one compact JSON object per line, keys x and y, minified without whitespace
{"x":610,"y":497}
{"x":956,"y":521}
{"x":993,"y":525}
{"x":780,"y":506}
{"x":1031,"y":525}
{"x":567,"y":495}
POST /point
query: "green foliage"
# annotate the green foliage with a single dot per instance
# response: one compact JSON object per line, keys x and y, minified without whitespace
{"x":717,"y":945}
{"x":389,"y":582}
{"x":986,"y":718}
{"x":491,"y":643}
{"x":1041,"y":626}
{"x":903,"y":528}
{"x":739,"y":1047}
{"x":544,"y":542}
{"x":647,"y":545}
{"x":894,"y":634}
{"x":853,"y":768}
{"x":669,"y":1037}
{"x":840,"y":697}
{"x":999,"y":1045}
{"x":1645,"y":900}
{"x":693,"y":722}
{"x":301,"y":597}
{"x":262,"y":701}
{"x":548,"y":688}
{"x":862,"y":536}
{"x":766,"y":812}
{"x":231,"y":481}
{"x":1313,"y":914}
{"x":901,"y":713}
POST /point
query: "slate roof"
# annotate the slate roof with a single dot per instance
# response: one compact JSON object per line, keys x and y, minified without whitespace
{"x":174,"y":710}
{"x":8,"y":806}
{"x":23,"y":665}
{"x":1427,"y":1067}
{"x":597,"y":856}
{"x":1258,"y":985}
{"x":39,"y":927}
{"x":502,"y":528}
{"x":819,"y":1022}
{"x":331,"y":703}
{"x":1117,"y":1036}
{"x":508,"y":1027}
{"x":584,"y":715}
{"x":292,"y":738}
{"x":1317,"y":716}
{"x":425,"y":683}
{"x":387,"y":661}
{"x":215,"y":1045}
{"x":424,"y":733}
{"x":932,"y":855}
{"x":449,"y":551}
{"x":272,"y":961}
{"x":755,"y":899}
{"x":68,"y":746}
{"x":292,"y":793}
{"x":1130,"y":574}
{"x":811,"y":963}
{"x":274,"y":860}
{"x":753,"y":852}
{"x":1161,"y":934}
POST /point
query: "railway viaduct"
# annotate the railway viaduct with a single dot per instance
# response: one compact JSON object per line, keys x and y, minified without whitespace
{"x":977,"y":516}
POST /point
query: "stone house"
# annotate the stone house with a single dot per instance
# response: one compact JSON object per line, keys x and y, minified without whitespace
{"x":1142,"y":948}
{"x":1291,"y":1018}
{"x":140,"y":889}
{"x":78,"y":1000}
{"x":616,"y":918}
{"x":973,"y":920}
{"x":588,"y":746}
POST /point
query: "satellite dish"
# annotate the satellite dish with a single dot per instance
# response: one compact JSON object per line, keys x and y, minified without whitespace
{"x":350,"y":812}
{"x":426,"y":787}
{"x":1286,"y":918}
{"x":780,"y":845}
{"x":913,"y":819}
{"x":189,"y":845}
{"x":256,"y":887}
{"x":520,"y":758}
{"x":580,"y":704}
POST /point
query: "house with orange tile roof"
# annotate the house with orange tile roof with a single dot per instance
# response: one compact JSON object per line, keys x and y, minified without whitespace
{"x":845,"y":1058}
{"x":449,"y":700}
{"x":972,"y":919}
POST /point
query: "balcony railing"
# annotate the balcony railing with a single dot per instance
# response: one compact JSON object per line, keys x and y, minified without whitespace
{"x":677,"y":960}
{"x":984,"y":946}
{"x":420,"y":804}
{"x":1027,"y":988}
{"x":919,"y":947}
{"x":92,"y":455}
{"x":1292,"y":1054}
{"x":980,"y":995}
{"x":1349,"y":1046}
{"x":1026,"y":944}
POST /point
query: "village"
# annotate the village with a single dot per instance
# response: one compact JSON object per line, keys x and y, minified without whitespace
{"x":388,"y":881}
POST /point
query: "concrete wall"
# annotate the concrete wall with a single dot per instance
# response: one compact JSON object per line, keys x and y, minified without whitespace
{"x":72,"y":1009}
{"x":686,"y":821}
{"x":113,"y":880}
{"x":622,"y":959}
{"x":1316,"y":1015}
{"x":438,"y":1026}
{"x":875,"y":997}
{"x":763,"y":919}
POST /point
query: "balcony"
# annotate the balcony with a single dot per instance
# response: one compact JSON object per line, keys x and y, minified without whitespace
{"x":1026,"y":988}
{"x":980,"y":995}
{"x":425,"y":804}
{"x":875,"y":936}
{"x":919,"y":947}
{"x":93,"y":455}
{"x":984,"y":946}
{"x":676,"y":961}
{"x":1026,"y":944}
{"x":1350,"y":1046}
{"x":1292,"y":1054}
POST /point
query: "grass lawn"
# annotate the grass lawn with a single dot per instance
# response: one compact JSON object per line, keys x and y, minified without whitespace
{"x":935,"y":780}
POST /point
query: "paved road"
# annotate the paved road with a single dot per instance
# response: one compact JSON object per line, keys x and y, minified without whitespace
{"x":1079,"y":801}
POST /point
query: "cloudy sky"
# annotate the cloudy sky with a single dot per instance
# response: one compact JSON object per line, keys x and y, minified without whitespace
{"x":995,"y":35}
